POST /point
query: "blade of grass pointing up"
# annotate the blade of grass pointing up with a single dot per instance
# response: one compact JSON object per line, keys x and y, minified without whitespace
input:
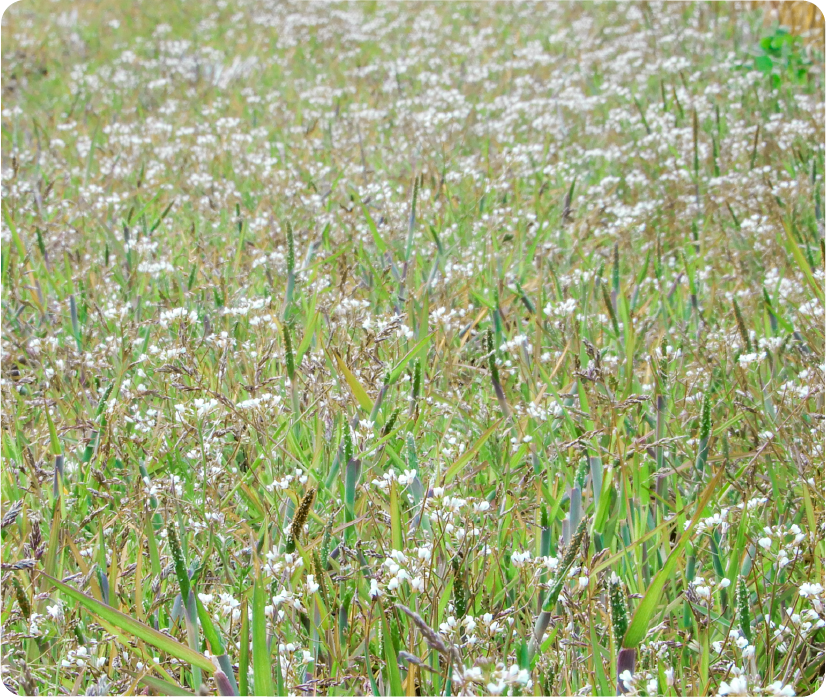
{"x":216,"y":645}
{"x":647,"y":608}
{"x":244,"y":653}
{"x":260,"y":655}
{"x":456,"y":467}
{"x":355,"y":386}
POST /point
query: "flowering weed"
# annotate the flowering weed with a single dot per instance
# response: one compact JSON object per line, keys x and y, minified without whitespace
{"x":411,"y":349}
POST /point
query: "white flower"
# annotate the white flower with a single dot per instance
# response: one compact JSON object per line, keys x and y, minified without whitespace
{"x":583,"y":582}
{"x":407,"y":477}
{"x":808,"y":589}
{"x":205,"y":598}
{"x":747,"y":359}
{"x":519,"y":558}
{"x":738,"y":687}
{"x":473,"y":674}
{"x":375,"y":591}
{"x":627,"y":679}
{"x":519,"y":675}
{"x":814,"y":591}
{"x":550,"y":563}
{"x":312,"y":586}
{"x":448,"y":625}
{"x":778,"y":689}
{"x":765,"y":542}
{"x":561,"y":309}
{"x":703,"y":591}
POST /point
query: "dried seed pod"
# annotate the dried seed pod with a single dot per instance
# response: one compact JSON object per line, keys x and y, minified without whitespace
{"x":494,"y":370}
{"x":663,"y":366}
{"x":431,"y":637}
{"x":288,"y":348}
{"x":609,"y":305}
{"x":36,"y":539}
{"x":741,"y":325}
{"x":22,"y":599}
{"x":11,"y":515}
{"x":320,"y":574}
{"x":300,"y":518}
{"x":27,"y":682}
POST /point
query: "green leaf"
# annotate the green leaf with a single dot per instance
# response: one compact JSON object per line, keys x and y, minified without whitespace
{"x":453,"y":470}
{"x":260,"y":655}
{"x":596,"y":651}
{"x":394,"y":677}
{"x":244,"y":657}
{"x":355,"y":386}
{"x":373,"y":685}
{"x":638,"y":627}
{"x":309,"y":329}
{"x":802,"y":263}
{"x":55,"y":442}
{"x":216,"y":646}
{"x":134,"y":628}
{"x":162,"y":687}
{"x":412,"y":353}
{"x":395,"y":518}
{"x":373,"y":230}
{"x":764,"y":64}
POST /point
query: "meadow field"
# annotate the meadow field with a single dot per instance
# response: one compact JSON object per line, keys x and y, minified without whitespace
{"x":412,"y":349}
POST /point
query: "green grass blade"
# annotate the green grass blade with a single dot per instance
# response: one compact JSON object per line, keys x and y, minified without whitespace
{"x":162,"y":687}
{"x":454,"y":469}
{"x":355,"y":386}
{"x":647,"y":608}
{"x":412,"y":353}
{"x":134,"y":628}
{"x":244,"y":653}
{"x":261,"y":671}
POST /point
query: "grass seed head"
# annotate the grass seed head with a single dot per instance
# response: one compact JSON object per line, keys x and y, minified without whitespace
{"x":619,"y":607}
{"x":301,"y":515}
